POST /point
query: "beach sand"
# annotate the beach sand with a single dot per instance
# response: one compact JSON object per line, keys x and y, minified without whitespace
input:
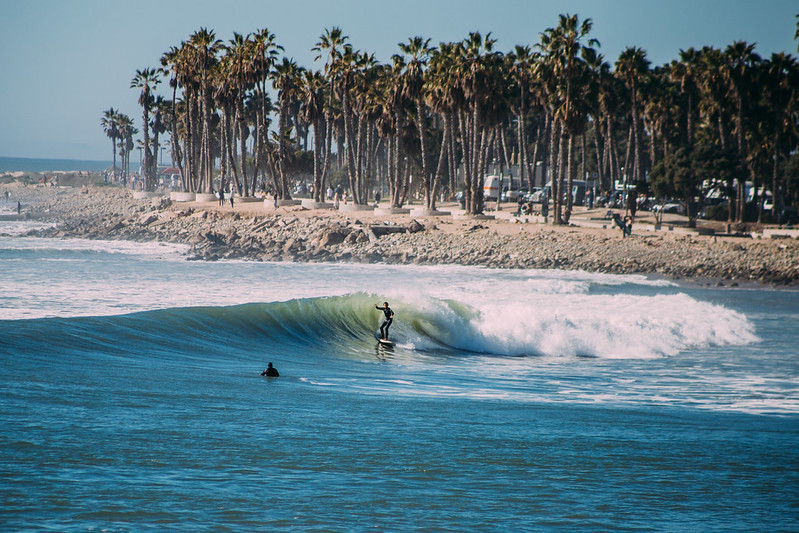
{"x":251,"y":231}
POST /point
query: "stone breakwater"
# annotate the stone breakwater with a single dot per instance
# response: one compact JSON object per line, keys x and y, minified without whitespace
{"x":249,"y":232}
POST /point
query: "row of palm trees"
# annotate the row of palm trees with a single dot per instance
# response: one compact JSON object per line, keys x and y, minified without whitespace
{"x":120,"y":129}
{"x":712,"y":118}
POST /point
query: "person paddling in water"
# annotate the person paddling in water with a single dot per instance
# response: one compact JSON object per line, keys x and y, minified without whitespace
{"x":270,"y":372}
{"x":389,"y":318}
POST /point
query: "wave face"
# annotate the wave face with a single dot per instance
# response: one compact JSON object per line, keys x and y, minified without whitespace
{"x":603,"y":326}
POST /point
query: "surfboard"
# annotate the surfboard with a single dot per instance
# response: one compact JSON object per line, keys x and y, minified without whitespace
{"x":385,"y":342}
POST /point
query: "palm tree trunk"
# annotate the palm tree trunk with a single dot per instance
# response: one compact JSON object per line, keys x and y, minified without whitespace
{"x":146,"y":134}
{"x":776,"y":195}
{"x":569,"y":179}
{"x":546,"y":149}
{"x":451,"y":154}
{"x":466,"y":160}
{"x":319,"y":186}
{"x":562,"y":170}
{"x":442,"y":160}
{"x":531,"y":168}
{"x":421,"y":127}
{"x":114,"y":153}
{"x":521,"y":148}
{"x":554,"y":169}
{"x":598,"y":148}
{"x":742,"y":154}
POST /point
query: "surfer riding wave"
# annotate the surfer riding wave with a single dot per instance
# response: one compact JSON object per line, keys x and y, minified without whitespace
{"x":389,"y":318}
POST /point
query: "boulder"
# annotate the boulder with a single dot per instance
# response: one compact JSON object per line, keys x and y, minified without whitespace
{"x":331,"y":238}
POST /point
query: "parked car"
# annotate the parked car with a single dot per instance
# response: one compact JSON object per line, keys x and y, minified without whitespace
{"x":512,"y":195}
{"x":670,"y":206}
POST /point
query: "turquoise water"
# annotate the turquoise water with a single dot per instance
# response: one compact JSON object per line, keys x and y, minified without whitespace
{"x":513,"y":400}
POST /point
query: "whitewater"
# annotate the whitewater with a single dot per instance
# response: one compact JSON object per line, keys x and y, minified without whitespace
{"x":513,"y":399}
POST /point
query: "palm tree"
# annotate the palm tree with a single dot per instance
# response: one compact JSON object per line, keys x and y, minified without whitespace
{"x":417,"y":52}
{"x":160,"y":113}
{"x":175,"y":61}
{"x":782,"y":80}
{"x":206,"y":47}
{"x":686,"y":73}
{"x":312,"y":112}
{"x":146,"y":80}
{"x":126,"y":134}
{"x":288,"y":76}
{"x":521,"y":62}
{"x":445,"y":98}
{"x":110,"y":124}
{"x":330,"y":46}
{"x":238,"y":80}
{"x":476,"y":70}
{"x":264,"y":56}
{"x":796,"y":35}
{"x":568,"y":48}
{"x":633,"y":68}
{"x":738,"y":70}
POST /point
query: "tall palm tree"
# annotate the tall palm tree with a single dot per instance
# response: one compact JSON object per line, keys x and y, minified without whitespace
{"x":160,"y":114}
{"x":110,"y":124}
{"x":288,"y":76}
{"x":568,"y":48}
{"x":126,"y":134}
{"x":796,"y":35}
{"x":445,"y":98}
{"x":477,"y":72}
{"x":330,"y":47}
{"x":312,"y":112}
{"x":781,"y":91}
{"x":417,"y":52}
{"x":633,"y":68}
{"x":175,"y":62}
{"x":738,"y":70}
{"x":147,"y":80}
{"x":686,"y":73}
{"x":264,"y":56}
{"x":206,"y":47}
{"x":239,"y":79}
{"x":521,"y":62}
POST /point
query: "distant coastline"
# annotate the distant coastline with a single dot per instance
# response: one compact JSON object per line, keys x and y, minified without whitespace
{"x":23,"y":164}
{"x":292,"y":233}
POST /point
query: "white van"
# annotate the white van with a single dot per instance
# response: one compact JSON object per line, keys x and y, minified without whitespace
{"x":510,"y":188}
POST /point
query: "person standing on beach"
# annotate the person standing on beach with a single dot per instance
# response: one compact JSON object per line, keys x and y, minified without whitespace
{"x":387,"y":320}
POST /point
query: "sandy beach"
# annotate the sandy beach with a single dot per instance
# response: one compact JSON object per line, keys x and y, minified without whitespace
{"x":251,"y":231}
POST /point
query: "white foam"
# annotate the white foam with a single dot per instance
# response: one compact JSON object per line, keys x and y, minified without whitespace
{"x":577,"y":324}
{"x":512,"y":312}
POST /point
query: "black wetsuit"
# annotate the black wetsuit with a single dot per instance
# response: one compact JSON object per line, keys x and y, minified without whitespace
{"x":387,"y":322}
{"x":271,"y":372}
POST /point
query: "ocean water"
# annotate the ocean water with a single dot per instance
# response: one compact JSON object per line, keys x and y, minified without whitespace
{"x":23,"y":164}
{"x":513,"y":400}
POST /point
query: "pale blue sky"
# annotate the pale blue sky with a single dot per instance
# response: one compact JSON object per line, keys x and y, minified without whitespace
{"x":66,"y":61}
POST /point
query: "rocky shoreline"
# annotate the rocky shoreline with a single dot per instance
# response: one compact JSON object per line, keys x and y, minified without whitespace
{"x":248,"y":231}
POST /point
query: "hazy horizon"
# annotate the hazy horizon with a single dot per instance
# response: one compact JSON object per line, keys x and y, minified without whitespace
{"x":73,"y":60}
